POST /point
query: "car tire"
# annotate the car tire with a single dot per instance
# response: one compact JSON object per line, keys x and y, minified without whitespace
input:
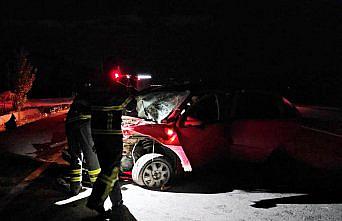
{"x":152,"y":171}
{"x":281,"y":168}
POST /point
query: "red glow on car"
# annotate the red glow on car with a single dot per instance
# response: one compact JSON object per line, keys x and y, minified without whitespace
{"x":172,"y":139}
{"x":169,"y":132}
{"x":162,"y":133}
{"x":171,"y":136}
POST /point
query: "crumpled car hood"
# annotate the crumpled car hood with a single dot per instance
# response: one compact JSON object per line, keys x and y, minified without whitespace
{"x":157,"y":106}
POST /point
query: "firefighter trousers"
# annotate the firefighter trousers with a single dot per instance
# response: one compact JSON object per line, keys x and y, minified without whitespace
{"x":109,"y":152}
{"x":81,"y":147}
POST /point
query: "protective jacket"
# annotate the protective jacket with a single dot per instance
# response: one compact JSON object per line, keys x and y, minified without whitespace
{"x":79,"y":110}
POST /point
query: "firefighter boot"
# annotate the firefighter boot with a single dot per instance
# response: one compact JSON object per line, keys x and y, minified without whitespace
{"x":102,"y":187}
{"x":75,"y":181}
{"x":96,"y":199}
{"x":75,"y":188}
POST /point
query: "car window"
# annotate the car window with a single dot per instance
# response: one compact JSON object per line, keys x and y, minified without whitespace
{"x":204,"y":108}
{"x":256,"y":106}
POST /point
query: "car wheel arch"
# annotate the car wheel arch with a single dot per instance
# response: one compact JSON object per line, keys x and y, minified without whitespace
{"x":158,"y":149}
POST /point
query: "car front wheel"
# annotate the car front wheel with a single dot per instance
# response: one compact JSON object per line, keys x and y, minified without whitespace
{"x":152,"y":170}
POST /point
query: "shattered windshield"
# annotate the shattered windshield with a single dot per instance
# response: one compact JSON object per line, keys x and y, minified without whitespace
{"x":156,"y":106}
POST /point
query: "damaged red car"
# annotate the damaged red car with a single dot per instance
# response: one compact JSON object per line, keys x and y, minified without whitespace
{"x":173,"y":129}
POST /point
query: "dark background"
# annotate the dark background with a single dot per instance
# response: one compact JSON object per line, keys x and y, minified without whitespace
{"x":291,"y":47}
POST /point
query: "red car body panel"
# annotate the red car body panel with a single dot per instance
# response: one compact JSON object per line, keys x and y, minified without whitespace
{"x":204,"y":144}
{"x":255,"y":140}
{"x":160,"y":132}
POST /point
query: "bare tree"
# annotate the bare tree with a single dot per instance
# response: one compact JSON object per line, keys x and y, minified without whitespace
{"x":26,"y":74}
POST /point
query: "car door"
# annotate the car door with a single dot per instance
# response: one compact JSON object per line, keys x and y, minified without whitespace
{"x":258,"y":126}
{"x":201,"y":130}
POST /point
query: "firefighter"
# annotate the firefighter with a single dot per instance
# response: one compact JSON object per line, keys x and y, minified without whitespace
{"x":80,"y":144}
{"x":108,"y":100}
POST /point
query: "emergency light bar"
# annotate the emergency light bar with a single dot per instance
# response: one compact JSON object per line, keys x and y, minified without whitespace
{"x":130,"y":80}
{"x":143,"y":76}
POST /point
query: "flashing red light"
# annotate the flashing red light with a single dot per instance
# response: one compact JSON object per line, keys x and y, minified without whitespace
{"x":116,"y":74}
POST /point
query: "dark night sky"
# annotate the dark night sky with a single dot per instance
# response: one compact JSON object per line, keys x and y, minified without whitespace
{"x":235,"y":44}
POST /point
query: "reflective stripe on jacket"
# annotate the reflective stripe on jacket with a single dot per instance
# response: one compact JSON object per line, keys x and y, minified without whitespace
{"x":78,"y":118}
{"x":107,"y":119}
{"x":79,"y":110}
